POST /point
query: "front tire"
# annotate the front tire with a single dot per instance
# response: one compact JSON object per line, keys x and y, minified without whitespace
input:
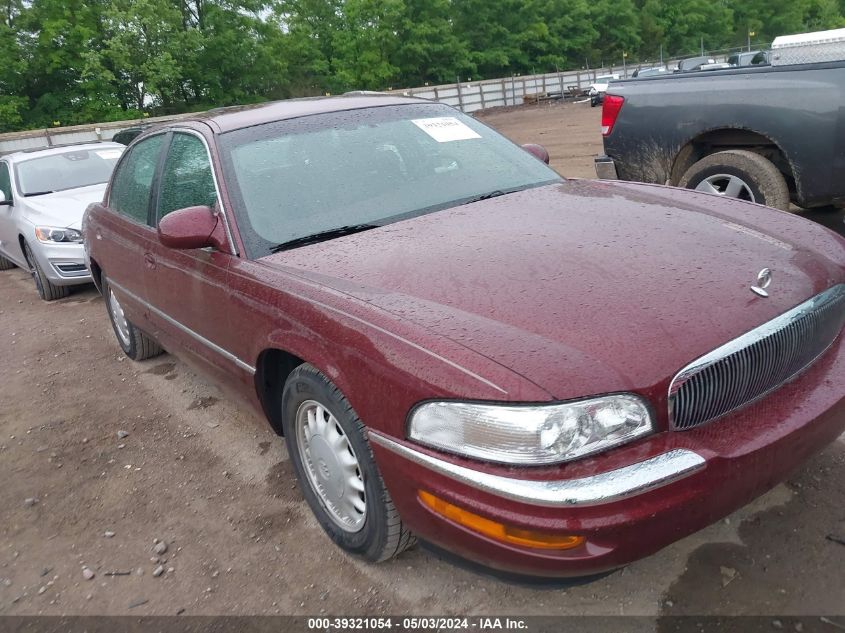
{"x":134,"y":343}
{"x":337,"y":474}
{"x":46,"y":289}
{"x":739,"y":174}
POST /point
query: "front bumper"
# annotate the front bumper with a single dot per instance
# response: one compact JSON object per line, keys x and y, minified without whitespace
{"x":605,"y":168}
{"x":62,"y":264}
{"x":627,"y":503}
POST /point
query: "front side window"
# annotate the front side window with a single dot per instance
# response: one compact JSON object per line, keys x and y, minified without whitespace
{"x":5,"y":181}
{"x":186,"y":180}
{"x":345,"y":171}
{"x":70,"y":169}
{"x":133,"y":180}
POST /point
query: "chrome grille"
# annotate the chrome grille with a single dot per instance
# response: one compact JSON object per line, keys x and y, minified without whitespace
{"x":756,"y":363}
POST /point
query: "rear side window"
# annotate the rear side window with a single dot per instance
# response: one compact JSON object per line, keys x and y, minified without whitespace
{"x":5,"y":182}
{"x":186,"y":180}
{"x":133,"y":180}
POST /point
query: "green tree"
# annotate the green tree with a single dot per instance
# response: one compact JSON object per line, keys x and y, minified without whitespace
{"x":428,"y":48}
{"x":240,"y":55}
{"x":772,"y":18}
{"x":490,"y":30}
{"x":620,"y":31}
{"x":146,"y":50}
{"x":13,"y":70}
{"x":365,"y":44}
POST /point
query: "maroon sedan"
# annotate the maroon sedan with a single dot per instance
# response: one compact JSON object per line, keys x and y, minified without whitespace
{"x":546,"y":376}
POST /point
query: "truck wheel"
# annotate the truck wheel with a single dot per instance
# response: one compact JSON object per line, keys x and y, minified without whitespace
{"x":738,"y":173}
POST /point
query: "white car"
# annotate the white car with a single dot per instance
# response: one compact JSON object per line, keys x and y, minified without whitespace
{"x":43,"y":194}
{"x":599,"y":87}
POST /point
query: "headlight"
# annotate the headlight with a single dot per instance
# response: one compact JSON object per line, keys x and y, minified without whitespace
{"x":531,"y":435}
{"x":53,"y":235}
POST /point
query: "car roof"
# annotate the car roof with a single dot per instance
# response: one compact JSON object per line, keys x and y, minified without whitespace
{"x":237,"y":117}
{"x":28,"y":154}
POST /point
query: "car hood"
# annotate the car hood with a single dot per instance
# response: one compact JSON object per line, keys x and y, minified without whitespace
{"x":63,"y":208}
{"x":584,"y":284}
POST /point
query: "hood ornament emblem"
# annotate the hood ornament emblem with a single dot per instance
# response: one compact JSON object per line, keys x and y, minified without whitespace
{"x":764,"y":280}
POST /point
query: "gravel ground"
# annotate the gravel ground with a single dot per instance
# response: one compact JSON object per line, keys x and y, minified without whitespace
{"x":140,"y":489}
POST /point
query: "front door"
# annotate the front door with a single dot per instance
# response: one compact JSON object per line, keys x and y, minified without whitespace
{"x":187,"y":288}
{"x":9,"y":245}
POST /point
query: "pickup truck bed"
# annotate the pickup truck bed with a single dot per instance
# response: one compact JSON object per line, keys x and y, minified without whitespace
{"x":779,"y":129}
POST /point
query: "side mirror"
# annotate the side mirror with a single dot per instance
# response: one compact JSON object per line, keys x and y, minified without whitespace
{"x":192,"y":227}
{"x":538,"y":151}
{"x":3,"y":201}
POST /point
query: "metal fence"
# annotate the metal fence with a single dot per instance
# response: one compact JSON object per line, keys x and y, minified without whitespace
{"x":469,"y":96}
{"x":50,"y":137}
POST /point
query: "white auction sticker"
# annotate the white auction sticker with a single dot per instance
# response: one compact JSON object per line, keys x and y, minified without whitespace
{"x":106,"y":154}
{"x":445,"y":129}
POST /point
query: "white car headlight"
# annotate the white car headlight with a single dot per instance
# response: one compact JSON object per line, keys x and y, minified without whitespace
{"x":531,"y":435}
{"x":53,"y":235}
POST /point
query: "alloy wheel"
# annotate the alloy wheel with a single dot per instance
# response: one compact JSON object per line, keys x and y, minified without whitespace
{"x":726,"y":185}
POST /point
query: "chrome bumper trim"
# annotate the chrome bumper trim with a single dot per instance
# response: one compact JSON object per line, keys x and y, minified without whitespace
{"x":61,"y":266}
{"x":586,"y":491}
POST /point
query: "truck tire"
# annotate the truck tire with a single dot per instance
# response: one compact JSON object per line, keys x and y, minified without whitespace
{"x":738,"y":173}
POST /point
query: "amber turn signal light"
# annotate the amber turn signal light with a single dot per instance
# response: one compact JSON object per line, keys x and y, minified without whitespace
{"x":498,"y":531}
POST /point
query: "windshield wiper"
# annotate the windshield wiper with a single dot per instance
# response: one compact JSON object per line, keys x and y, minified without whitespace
{"x":322,"y":236}
{"x":486,"y":196}
{"x":37,"y":193}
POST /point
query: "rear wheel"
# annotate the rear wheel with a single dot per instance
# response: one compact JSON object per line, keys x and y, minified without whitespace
{"x":739,"y":174}
{"x":46,"y":289}
{"x":134,"y":343}
{"x":336,"y":470}
{"x":5,"y":264}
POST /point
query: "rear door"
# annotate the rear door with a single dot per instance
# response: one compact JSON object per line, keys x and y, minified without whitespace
{"x":123,"y":232}
{"x":188,"y":288}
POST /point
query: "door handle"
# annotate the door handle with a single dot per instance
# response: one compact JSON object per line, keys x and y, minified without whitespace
{"x":149,"y":261}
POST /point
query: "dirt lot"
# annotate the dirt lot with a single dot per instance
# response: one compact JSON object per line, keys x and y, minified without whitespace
{"x":214,"y":483}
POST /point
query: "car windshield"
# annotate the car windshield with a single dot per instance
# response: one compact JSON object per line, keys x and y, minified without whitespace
{"x":68,"y":170}
{"x":301,"y":180}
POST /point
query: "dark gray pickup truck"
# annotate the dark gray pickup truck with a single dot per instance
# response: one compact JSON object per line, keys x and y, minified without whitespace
{"x":771,"y":134}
